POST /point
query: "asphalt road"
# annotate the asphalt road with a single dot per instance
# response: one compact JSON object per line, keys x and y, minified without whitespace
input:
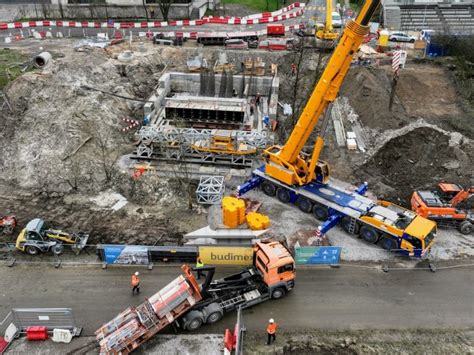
{"x":348,"y":298}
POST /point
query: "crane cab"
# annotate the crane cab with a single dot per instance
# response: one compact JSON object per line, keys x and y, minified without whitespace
{"x":322,"y":172}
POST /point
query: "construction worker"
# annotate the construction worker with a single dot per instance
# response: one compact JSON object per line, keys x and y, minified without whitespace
{"x":199,"y":265}
{"x":135,"y":283}
{"x":271,"y":331}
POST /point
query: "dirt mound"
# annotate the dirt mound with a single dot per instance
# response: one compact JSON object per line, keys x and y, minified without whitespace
{"x":426,"y":91}
{"x":368,"y":90}
{"x":418,"y":159}
{"x":422,"y":91}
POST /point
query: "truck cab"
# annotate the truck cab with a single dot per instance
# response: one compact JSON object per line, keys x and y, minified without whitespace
{"x":277,"y":267}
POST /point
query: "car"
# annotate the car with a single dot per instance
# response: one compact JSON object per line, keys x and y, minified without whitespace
{"x":336,"y":20}
{"x":401,"y":37}
{"x":236,"y":44}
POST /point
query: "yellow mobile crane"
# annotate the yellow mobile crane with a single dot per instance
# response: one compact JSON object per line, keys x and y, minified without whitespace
{"x":294,"y":178}
{"x":326,"y":31}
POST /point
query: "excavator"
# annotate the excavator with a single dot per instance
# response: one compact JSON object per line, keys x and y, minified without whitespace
{"x":326,"y":31}
{"x":296,"y":177}
{"x":450,"y":206}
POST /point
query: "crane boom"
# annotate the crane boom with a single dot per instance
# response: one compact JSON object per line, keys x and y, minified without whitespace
{"x":286,"y":163}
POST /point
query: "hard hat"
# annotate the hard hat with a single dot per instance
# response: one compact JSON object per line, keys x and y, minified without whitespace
{"x":137,"y":273}
{"x":271,"y":320}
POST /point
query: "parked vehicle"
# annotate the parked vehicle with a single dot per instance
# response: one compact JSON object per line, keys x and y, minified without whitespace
{"x":451,"y":205}
{"x":426,"y":34}
{"x":336,"y":20}
{"x":37,"y":238}
{"x":236,"y":44}
{"x":401,"y":37}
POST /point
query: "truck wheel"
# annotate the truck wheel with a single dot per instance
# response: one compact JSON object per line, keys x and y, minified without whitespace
{"x":304,"y":204}
{"x":283,"y":195}
{"x":346,"y":225}
{"x":214,"y":313}
{"x":57,"y":249}
{"x":278,"y":293}
{"x":268,"y":188}
{"x":369,"y":234}
{"x":194,"y":320}
{"x":32,"y":250}
{"x":388,"y":243}
{"x":466,"y":227}
{"x":320,"y":212}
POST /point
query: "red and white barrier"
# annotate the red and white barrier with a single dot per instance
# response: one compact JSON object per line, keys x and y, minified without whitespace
{"x":131,"y":124}
{"x":266,"y":17}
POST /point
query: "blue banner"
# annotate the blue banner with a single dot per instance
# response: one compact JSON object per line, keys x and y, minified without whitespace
{"x":126,"y":254}
{"x":317,"y":255}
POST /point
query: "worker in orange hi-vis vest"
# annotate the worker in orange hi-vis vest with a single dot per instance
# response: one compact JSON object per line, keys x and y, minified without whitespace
{"x":271,"y":331}
{"x":135,"y":283}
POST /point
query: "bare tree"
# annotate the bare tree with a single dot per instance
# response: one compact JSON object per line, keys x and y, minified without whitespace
{"x":73,"y":174}
{"x":108,"y":155}
{"x":146,"y":10}
{"x":165,"y":8}
{"x":183,"y":176}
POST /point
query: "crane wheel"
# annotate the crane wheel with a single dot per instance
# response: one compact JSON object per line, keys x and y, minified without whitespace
{"x":369,"y":234}
{"x":304,"y":204}
{"x":283,"y":195}
{"x":320,"y":212}
{"x":268,"y":188}
{"x":466,"y":227}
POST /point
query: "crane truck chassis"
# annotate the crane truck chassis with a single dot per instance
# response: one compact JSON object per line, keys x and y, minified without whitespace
{"x":188,"y":305}
{"x":393,"y":227}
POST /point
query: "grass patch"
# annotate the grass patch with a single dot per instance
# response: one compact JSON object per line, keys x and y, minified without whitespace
{"x":259,"y":5}
{"x":8,"y":70}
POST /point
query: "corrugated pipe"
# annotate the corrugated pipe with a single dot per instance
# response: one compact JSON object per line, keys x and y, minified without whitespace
{"x":42,"y":59}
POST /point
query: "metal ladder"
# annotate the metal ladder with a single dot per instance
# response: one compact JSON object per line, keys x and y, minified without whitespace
{"x":232,"y":301}
{"x":352,"y":226}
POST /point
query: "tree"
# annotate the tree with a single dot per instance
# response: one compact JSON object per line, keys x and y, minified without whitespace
{"x":108,"y":155}
{"x":165,"y":8}
{"x":146,"y":10}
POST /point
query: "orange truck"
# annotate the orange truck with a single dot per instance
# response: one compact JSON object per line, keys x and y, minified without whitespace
{"x":188,"y":305}
{"x":450,"y":206}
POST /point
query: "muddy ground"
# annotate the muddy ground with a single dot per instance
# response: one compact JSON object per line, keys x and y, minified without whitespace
{"x":62,"y":142}
{"x":415,"y":341}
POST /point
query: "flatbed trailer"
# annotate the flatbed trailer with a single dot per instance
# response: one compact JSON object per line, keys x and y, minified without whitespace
{"x":393,"y":227}
{"x":188,"y":305}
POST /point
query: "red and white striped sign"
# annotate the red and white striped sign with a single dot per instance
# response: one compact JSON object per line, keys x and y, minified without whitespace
{"x":396,"y":60}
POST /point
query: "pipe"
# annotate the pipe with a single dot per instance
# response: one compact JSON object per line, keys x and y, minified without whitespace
{"x":42,"y":59}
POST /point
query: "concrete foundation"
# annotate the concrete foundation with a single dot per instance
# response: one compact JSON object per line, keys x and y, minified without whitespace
{"x":214,"y":98}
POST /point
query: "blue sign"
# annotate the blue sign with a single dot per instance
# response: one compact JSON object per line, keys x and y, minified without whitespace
{"x":126,"y":254}
{"x":317,"y":255}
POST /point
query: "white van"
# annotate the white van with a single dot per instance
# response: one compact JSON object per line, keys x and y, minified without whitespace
{"x":336,"y":20}
{"x":426,"y":34}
